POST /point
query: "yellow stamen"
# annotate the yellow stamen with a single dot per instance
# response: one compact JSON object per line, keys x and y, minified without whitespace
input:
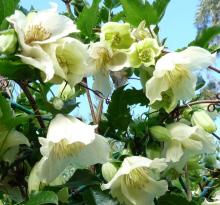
{"x":64,"y":149}
{"x":137,"y":178}
{"x":36,"y":33}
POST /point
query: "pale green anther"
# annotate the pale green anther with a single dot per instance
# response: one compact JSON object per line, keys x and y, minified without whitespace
{"x":203,"y":120}
{"x":8,"y":41}
{"x":109,"y":170}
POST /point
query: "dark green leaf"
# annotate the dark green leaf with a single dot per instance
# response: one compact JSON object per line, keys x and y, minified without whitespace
{"x":200,"y":82}
{"x":89,"y":18}
{"x":7,"y":7}
{"x":16,"y":70}
{"x":173,"y":199}
{"x":44,"y":197}
{"x":205,"y":36}
{"x":82,"y":178}
{"x":94,"y":196}
{"x":160,"y":6}
{"x":118,"y":113}
{"x":111,"y":3}
{"x":137,"y":11}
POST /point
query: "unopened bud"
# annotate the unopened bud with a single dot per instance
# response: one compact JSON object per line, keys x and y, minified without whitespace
{"x":66,"y":92}
{"x":203,"y":120}
{"x":108,"y":171}
{"x":8,"y":41}
{"x":58,"y":103}
{"x":160,"y":133}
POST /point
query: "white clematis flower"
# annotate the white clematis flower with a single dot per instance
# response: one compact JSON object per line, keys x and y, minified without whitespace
{"x":39,"y":28}
{"x":174,"y":73}
{"x":216,"y":200}
{"x":70,"y":142}
{"x":185,"y":142}
{"x":70,"y":60}
{"x":137,"y":181}
{"x":103,"y":60}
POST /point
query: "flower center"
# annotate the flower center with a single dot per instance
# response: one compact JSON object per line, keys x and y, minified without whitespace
{"x":177,"y":75}
{"x":36,"y":33}
{"x":137,"y":178}
{"x":145,"y":54}
{"x":114,"y":38}
{"x":104,"y":57}
{"x":63,"y":149}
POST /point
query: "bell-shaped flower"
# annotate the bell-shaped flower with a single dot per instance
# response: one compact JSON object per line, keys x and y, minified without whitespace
{"x":39,"y":28}
{"x":185,"y":142}
{"x":103,"y":60}
{"x":117,"y":35}
{"x":174,"y":73}
{"x":70,"y":142}
{"x":70,"y":60}
{"x":137,"y":181}
{"x":216,"y":199}
{"x":144,"y":52}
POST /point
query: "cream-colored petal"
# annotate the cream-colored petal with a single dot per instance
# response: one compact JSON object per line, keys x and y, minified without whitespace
{"x":103,"y":83}
{"x":197,"y":58}
{"x":118,"y":61}
{"x":71,"y":129}
{"x":174,"y":151}
{"x":154,"y":88}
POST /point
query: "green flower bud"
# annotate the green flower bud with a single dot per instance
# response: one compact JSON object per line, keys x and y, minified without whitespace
{"x":203,"y":120}
{"x":108,"y":171}
{"x":8,"y":41}
{"x":66,"y":92}
{"x":57,"y":103}
{"x":160,"y":133}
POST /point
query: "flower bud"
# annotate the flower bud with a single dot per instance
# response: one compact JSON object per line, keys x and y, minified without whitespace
{"x":8,"y":41}
{"x":66,"y":92}
{"x":108,"y":171}
{"x":160,"y":133}
{"x":57,"y":103}
{"x":153,"y":151}
{"x":203,"y":120}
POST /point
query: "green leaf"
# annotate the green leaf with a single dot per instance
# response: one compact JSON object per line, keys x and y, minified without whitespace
{"x":44,"y":197}
{"x":118,"y":113}
{"x":111,"y":3}
{"x":16,"y":70}
{"x":205,"y":36}
{"x":160,"y":6}
{"x":89,"y":18}
{"x":173,"y":199}
{"x":137,"y":11}
{"x":94,"y":196}
{"x":82,"y":178}
{"x":200,"y":82}
{"x":7,"y":7}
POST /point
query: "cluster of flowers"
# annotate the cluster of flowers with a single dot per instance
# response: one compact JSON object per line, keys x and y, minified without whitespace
{"x":44,"y":43}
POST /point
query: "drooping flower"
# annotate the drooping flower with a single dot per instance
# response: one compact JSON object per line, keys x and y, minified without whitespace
{"x":216,"y":199}
{"x":144,"y":53}
{"x":174,"y":74}
{"x":185,"y":142}
{"x":103,"y":60}
{"x":70,"y":142}
{"x":70,"y":60}
{"x":117,"y":35}
{"x":137,"y":181}
{"x":39,"y":28}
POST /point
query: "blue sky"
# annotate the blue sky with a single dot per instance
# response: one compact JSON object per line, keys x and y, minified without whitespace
{"x":177,"y":26}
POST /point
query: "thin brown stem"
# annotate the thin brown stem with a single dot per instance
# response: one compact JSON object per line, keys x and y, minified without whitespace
{"x":215,"y":101}
{"x":24,"y":87}
{"x":90,"y":103}
{"x":99,"y":112}
{"x":68,"y":8}
{"x":214,"y":69}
